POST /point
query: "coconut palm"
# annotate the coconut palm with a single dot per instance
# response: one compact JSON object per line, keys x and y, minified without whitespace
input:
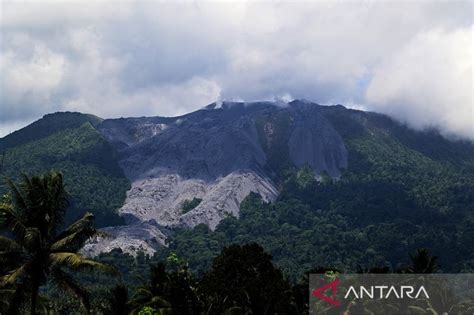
{"x":117,"y":301}
{"x":37,"y":251}
{"x":152,"y":294}
{"x":168,"y":291}
{"x":422,"y":261}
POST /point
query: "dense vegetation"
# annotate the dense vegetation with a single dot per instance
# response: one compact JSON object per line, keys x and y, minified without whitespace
{"x":189,"y":205}
{"x":38,"y":250}
{"x":48,"y":125}
{"x":41,"y":270}
{"x":403,"y":190}
{"x":40,"y":266}
{"x":71,"y":144}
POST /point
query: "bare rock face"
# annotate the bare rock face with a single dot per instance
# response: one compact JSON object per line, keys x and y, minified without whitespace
{"x":125,"y":132}
{"x":161,"y":199}
{"x":315,"y":142}
{"x":144,"y":236}
{"x":223,"y":198}
{"x":216,"y":155}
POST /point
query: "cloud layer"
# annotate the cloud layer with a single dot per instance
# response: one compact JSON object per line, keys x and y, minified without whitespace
{"x":412,"y":60}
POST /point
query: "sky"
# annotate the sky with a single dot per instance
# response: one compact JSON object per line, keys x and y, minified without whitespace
{"x":411,"y":60}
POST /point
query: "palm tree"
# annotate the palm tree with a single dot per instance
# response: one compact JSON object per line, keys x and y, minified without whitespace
{"x":116,"y":302}
{"x":168,"y":292}
{"x":152,"y":294}
{"x":37,"y":251}
{"x":422,"y":261}
{"x":243,"y":280}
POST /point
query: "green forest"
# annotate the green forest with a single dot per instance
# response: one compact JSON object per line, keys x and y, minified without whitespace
{"x":43,"y":272}
{"x":70,"y":143}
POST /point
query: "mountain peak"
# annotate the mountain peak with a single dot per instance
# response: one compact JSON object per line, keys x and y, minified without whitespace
{"x":48,"y":125}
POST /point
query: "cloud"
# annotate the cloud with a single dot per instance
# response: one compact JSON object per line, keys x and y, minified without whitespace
{"x":428,"y":83}
{"x":412,"y":60}
{"x":30,"y":73}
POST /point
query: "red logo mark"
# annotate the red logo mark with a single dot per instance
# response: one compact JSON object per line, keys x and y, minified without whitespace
{"x":331,"y":285}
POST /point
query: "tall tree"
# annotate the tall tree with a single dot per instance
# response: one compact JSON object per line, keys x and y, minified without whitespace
{"x":422,"y":261}
{"x":37,"y":250}
{"x":117,"y":301}
{"x":244,"y":280}
{"x":169,"y":292}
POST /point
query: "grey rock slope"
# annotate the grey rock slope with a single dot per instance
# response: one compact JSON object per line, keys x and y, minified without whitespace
{"x":218,"y":155}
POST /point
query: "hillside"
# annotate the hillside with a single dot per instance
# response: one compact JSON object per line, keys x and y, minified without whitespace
{"x":333,"y":185}
{"x":70,"y":143}
{"x":46,"y":126}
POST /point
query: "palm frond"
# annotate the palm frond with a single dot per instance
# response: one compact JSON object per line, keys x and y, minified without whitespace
{"x":14,"y":222}
{"x":32,"y":239}
{"x":57,"y":201}
{"x":12,"y":298}
{"x":12,"y":277}
{"x":8,"y":244}
{"x":160,"y":302}
{"x":3,"y":302}
{"x":26,"y":180}
{"x":43,"y":304}
{"x":10,"y":259}
{"x":117,"y":301}
{"x":19,"y":199}
{"x":85,"y":223}
{"x":73,"y":242}
{"x":143,"y":292}
{"x":67,"y":283}
{"x":5,"y":295}
{"x":77,"y":262}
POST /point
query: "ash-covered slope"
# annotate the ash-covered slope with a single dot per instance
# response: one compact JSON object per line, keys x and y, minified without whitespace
{"x":216,"y":156}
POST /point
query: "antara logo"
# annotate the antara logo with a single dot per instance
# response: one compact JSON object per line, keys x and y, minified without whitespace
{"x":372,"y":292}
{"x":385,"y":292}
{"x":333,"y":286}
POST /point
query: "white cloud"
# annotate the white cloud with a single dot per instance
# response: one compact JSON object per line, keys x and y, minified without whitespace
{"x":428,"y":82}
{"x":30,"y":79}
{"x":164,"y":100}
{"x":408,"y":59}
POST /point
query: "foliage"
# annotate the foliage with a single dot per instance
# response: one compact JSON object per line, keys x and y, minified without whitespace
{"x":47,"y":126}
{"x":147,"y":310}
{"x":423,"y":262}
{"x":117,"y":301}
{"x":404,"y":190}
{"x":243,"y":279}
{"x":89,"y":164}
{"x":168,"y":291}
{"x":38,"y":251}
{"x":189,"y":205}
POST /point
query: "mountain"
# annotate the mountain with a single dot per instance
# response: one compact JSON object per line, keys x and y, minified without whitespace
{"x":215,"y":157}
{"x":319,"y":171}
